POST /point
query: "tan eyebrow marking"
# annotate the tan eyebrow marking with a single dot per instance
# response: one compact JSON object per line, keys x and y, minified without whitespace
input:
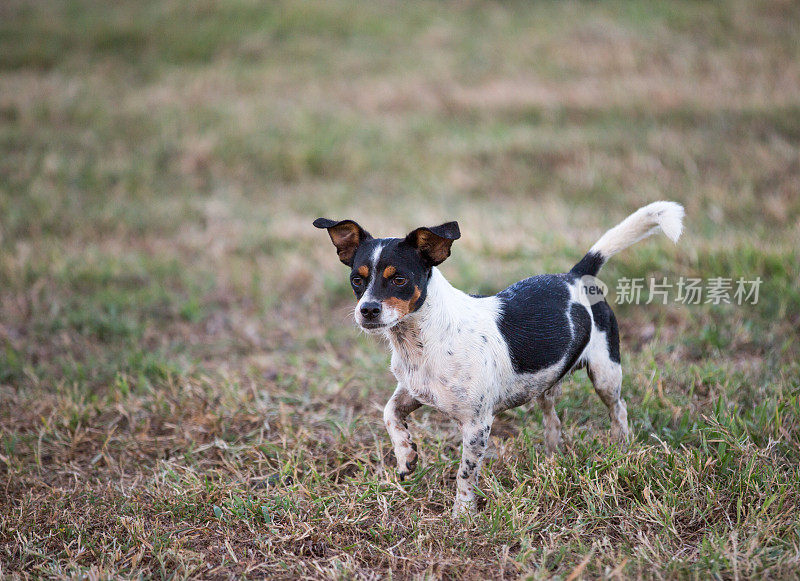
{"x":363,"y":270}
{"x":389,"y":271}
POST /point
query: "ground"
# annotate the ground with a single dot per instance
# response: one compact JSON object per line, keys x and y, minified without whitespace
{"x":183,"y":392}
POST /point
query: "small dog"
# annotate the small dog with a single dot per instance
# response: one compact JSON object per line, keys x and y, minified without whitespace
{"x":473,"y":357}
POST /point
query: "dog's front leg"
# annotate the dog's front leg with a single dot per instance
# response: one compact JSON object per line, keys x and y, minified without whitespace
{"x":475,"y":440}
{"x":394,"y":416}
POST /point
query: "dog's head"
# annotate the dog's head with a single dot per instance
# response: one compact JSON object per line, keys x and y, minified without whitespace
{"x":389,"y":276}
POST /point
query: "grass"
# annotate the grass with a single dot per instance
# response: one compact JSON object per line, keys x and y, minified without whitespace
{"x":182,"y":391}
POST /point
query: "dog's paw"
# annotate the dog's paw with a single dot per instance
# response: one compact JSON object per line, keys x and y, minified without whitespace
{"x":409,"y":465}
{"x":464,"y":506}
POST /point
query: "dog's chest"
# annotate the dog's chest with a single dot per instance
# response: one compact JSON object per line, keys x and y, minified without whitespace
{"x":437,"y":379}
{"x":455,"y":369}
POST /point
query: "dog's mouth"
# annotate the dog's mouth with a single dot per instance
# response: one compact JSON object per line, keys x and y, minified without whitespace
{"x":372,"y":326}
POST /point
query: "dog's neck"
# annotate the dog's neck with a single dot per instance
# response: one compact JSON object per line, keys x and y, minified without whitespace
{"x":410,"y":336}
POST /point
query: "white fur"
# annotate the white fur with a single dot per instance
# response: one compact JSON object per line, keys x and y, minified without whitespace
{"x":606,"y":377}
{"x":453,"y":367}
{"x":368,"y":294}
{"x":644,"y":222}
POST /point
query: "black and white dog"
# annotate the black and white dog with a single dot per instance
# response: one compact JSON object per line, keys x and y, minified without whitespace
{"x":473,"y":357}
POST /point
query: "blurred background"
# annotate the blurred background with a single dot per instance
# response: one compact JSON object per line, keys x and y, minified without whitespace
{"x":164,"y":297}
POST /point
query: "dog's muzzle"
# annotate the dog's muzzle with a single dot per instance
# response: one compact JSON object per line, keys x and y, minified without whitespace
{"x":370,"y":315}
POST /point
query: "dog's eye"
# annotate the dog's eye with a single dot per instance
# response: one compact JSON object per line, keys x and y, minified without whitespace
{"x":399,"y":281}
{"x":357,"y":281}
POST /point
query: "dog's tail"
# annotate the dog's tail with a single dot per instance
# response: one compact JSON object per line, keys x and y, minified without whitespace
{"x":644,"y":222}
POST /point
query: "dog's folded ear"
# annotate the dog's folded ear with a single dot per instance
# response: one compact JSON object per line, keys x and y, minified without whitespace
{"x":434,"y":243}
{"x":346,"y":235}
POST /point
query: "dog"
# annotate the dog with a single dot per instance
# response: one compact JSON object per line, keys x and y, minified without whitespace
{"x":472,"y":357}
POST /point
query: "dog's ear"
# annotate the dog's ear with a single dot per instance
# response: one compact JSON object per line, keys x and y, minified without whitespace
{"x":434,"y":243}
{"x":346,"y":235}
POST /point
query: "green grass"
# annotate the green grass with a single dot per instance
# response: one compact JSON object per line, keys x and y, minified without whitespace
{"x":182,"y":390}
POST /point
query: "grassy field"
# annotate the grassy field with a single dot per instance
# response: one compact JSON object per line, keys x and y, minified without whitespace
{"x":182,"y":389}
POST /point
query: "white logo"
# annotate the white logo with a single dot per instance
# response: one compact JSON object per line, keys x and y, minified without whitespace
{"x":593,"y":290}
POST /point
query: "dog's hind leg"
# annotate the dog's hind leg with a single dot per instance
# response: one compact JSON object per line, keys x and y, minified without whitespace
{"x":550,"y":421}
{"x":606,"y":375}
{"x":394,"y":416}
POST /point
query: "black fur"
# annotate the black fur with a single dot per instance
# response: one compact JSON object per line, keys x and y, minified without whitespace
{"x":535,"y":324}
{"x":605,"y":320}
{"x":590,"y":264}
{"x":581,"y":332}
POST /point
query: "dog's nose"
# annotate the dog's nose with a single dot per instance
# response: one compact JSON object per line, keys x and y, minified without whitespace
{"x":371,"y":311}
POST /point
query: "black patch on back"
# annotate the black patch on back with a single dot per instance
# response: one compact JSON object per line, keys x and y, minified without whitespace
{"x":533,"y":321}
{"x":590,"y":264}
{"x":605,"y":321}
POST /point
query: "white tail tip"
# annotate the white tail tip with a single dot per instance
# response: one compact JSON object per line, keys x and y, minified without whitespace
{"x":669,"y":216}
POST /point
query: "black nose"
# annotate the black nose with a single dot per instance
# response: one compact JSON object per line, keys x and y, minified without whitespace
{"x":371,"y":310}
